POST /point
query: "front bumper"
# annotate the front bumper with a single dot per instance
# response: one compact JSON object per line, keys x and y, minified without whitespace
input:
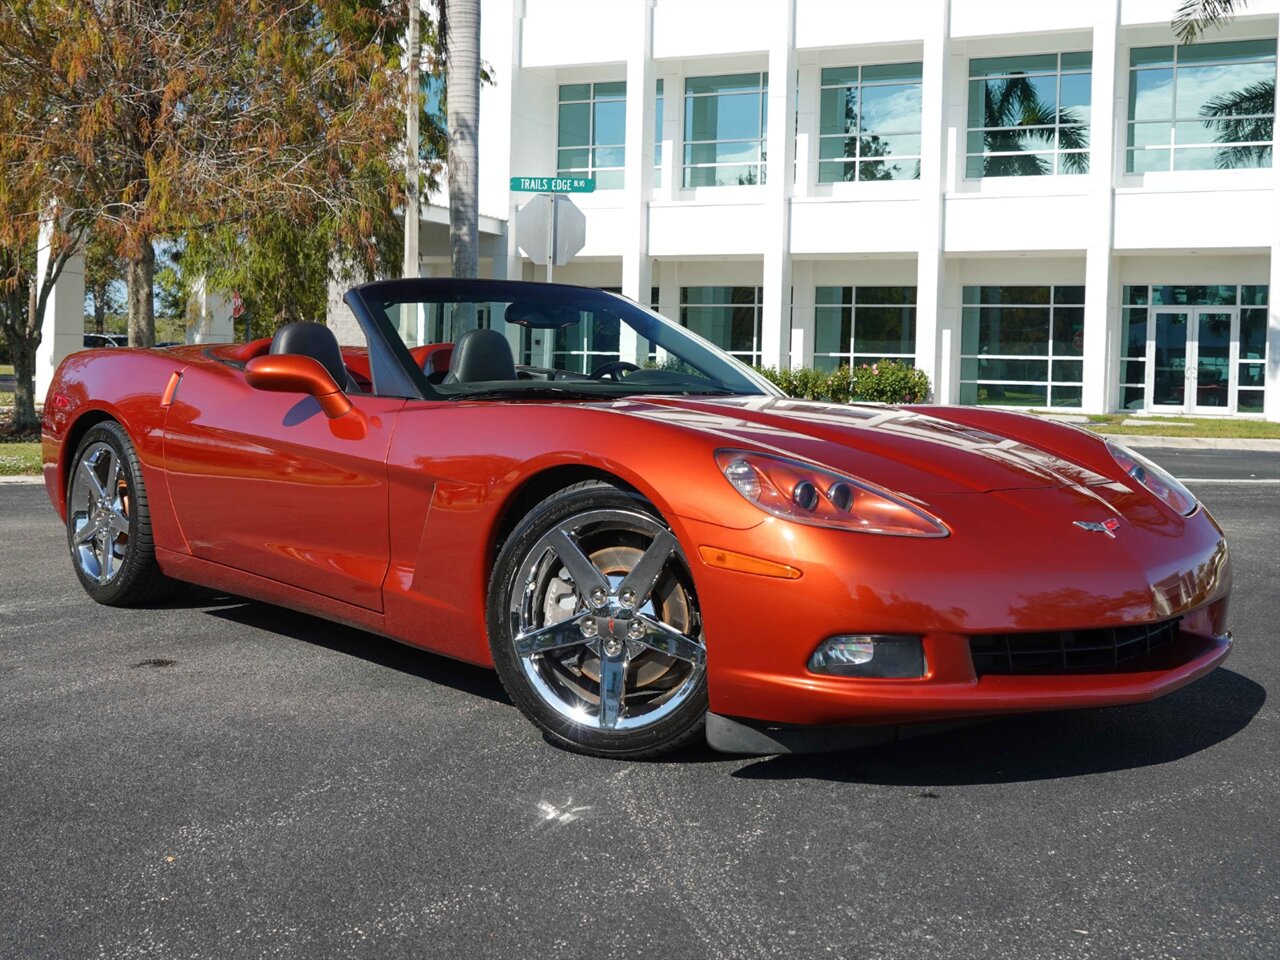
{"x":847,"y":713}
{"x":761,"y":631}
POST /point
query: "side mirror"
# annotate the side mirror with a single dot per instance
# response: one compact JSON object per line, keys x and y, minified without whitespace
{"x":293,"y":373}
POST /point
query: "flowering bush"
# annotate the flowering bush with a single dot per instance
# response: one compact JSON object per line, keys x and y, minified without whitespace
{"x":888,"y":381}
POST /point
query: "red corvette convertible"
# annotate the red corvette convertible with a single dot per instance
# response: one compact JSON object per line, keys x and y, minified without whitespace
{"x":639,"y":533}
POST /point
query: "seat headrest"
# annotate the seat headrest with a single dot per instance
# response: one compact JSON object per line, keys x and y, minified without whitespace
{"x":479,"y":356}
{"x":313,"y":340}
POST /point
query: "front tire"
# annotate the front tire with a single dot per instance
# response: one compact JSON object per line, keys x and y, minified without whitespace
{"x":595,"y":628}
{"x":109,"y":522}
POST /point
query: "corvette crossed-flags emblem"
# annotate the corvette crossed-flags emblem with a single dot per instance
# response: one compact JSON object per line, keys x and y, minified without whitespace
{"x":1108,"y":526}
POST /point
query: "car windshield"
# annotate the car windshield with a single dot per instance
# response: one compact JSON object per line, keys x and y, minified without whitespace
{"x":547,"y":340}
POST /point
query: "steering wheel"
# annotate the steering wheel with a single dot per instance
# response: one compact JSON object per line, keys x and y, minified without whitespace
{"x":614,"y":369}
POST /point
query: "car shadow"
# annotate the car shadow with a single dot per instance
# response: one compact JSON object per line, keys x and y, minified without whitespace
{"x":1042,"y":746}
{"x":370,"y":647}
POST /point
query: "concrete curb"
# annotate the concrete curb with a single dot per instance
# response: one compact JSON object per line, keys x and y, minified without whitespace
{"x":32,"y":480}
{"x":1194,"y":443}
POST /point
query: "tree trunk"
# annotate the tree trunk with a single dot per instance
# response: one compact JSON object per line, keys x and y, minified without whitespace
{"x":23,"y":351}
{"x":23,"y":333}
{"x":463,"y":43}
{"x":140,"y":274}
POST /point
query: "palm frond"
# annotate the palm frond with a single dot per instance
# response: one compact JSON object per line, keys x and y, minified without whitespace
{"x":1195,"y":17}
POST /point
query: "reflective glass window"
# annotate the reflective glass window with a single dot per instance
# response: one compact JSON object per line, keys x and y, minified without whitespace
{"x":1203,"y":106}
{"x":1029,"y":115}
{"x":591,"y":132}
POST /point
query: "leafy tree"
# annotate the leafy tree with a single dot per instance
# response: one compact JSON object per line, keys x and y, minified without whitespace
{"x":157,"y":117}
{"x":26,"y":282}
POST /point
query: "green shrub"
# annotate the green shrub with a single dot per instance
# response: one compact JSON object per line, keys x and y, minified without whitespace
{"x":888,"y":381}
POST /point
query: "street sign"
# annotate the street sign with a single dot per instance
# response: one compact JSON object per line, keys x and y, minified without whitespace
{"x":237,"y":305}
{"x":550,"y":228}
{"x":553,"y":184}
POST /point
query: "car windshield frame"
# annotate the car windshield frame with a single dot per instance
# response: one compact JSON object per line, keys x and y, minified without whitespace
{"x":395,"y":373}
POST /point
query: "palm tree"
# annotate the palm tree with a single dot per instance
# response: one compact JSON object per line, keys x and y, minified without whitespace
{"x":412,"y":108}
{"x":460,"y":37}
{"x":1194,"y":17}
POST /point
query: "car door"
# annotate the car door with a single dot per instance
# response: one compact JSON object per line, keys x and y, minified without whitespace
{"x":267,"y":483}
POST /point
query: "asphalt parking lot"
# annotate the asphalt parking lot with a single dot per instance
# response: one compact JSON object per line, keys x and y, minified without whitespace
{"x":224,"y":779}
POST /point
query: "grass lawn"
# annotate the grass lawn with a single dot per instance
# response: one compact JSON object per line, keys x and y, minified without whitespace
{"x":6,"y":369}
{"x":6,"y":399}
{"x":19,"y":459}
{"x":1229,"y":427}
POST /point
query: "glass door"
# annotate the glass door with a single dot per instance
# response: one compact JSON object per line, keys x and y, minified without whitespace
{"x":1215,"y":330}
{"x":1170,"y":345}
{"x":1191,"y":364}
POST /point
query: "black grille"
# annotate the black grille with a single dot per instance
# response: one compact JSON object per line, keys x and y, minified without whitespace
{"x":1070,"y":651}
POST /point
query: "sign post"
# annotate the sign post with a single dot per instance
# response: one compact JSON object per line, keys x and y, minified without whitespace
{"x":551,"y":221}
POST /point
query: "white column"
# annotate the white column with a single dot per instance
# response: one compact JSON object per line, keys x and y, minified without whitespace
{"x":1271,"y":400}
{"x":1271,"y":403}
{"x":930,"y":256}
{"x":340,"y":319}
{"x":62,"y":332}
{"x":213,"y":320}
{"x":672,"y":124}
{"x":775,"y":332}
{"x":1100,"y":355}
{"x":637,"y":268}
{"x":669,"y":289}
{"x":807,"y":109}
{"x":802,"y":314}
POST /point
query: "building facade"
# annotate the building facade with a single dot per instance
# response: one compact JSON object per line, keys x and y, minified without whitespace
{"x":1040,"y":204}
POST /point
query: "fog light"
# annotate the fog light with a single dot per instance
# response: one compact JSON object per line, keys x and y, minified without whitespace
{"x":869,"y":655}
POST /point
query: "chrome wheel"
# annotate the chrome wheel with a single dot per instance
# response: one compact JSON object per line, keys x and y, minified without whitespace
{"x":99,"y":510}
{"x":604,"y":621}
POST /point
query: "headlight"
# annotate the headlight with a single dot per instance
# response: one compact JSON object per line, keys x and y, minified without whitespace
{"x":803,"y":493}
{"x":1156,"y":479}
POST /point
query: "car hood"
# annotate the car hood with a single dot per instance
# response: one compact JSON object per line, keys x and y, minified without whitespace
{"x":909,"y":452}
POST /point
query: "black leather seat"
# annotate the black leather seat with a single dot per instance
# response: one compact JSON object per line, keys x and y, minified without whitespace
{"x":316,"y":341}
{"x":480,"y":356}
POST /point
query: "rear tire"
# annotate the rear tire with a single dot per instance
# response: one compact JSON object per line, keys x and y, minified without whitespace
{"x":109,"y":522}
{"x":601,"y":661}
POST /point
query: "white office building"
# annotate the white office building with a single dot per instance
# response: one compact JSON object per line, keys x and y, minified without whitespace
{"x":1041,"y":204}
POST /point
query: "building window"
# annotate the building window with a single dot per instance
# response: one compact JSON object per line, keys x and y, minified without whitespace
{"x":1022,"y":346}
{"x":1203,"y":106}
{"x":1253,"y":348}
{"x":1029,"y":116}
{"x":1133,"y":348}
{"x":727,"y":316}
{"x":860,"y":325}
{"x":657,"y":136}
{"x":725,"y":119}
{"x":592,"y":132}
{"x":869,"y":123}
